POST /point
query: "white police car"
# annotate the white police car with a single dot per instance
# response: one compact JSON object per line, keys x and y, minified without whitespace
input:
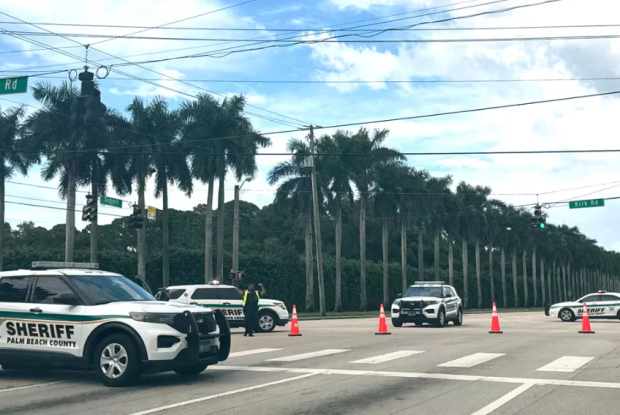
{"x":428,"y":302}
{"x":69,"y":315}
{"x":600,"y":305}
{"x":271,"y":313}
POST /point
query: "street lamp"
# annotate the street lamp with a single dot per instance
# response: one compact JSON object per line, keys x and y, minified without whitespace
{"x":235,"y":264}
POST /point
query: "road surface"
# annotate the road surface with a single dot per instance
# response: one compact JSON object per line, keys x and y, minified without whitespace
{"x":538,"y":366}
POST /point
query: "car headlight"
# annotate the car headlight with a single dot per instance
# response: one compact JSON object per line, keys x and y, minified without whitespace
{"x":281,"y":305}
{"x":158,"y":318}
{"x":396,"y":303}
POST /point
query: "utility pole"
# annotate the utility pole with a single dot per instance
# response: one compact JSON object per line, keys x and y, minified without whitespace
{"x":317,"y":227}
{"x":235,"y":264}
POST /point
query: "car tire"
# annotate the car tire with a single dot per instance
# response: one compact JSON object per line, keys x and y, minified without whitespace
{"x":266,"y":322}
{"x":396,"y":322}
{"x":618,"y":315}
{"x":441,"y":318}
{"x":117,"y":361}
{"x":12,"y":366}
{"x":418,"y":323}
{"x":458,"y":321}
{"x":191,"y":370}
{"x":567,"y":315}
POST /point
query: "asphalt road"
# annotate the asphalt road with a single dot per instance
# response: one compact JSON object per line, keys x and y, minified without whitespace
{"x":538,"y":366}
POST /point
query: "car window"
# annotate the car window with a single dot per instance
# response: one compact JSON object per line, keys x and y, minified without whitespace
{"x":453,"y":292}
{"x":14,"y":289}
{"x":175,"y":293}
{"x":229,"y":294}
{"x":590,"y":299}
{"x":47,"y":288}
{"x":423,"y":292}
{"x":609,"y":298}
{"x":104,"y":289}
{"x":205,"y":294}
{"x":447,"y":292}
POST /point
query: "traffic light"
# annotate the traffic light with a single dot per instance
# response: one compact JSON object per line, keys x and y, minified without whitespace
{"x":136,"y":219}
{"x":77,"y":110}
{"x":89,"y":211}
{"x":88,"y":106}
{"x":94,"y":108}
{"x":539,"y":220}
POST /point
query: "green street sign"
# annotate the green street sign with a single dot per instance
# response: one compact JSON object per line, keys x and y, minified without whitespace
{"x":578,"y":204}
{"x":110,"y":201}
{"x":17,"y":85}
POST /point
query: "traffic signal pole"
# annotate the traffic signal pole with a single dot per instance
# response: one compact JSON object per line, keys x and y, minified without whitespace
{"x":317,"y":227}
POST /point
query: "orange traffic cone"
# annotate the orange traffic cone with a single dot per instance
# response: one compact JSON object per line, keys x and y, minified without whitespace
{"x":382,"y":325}
{"x":585,"y":322}
{"x":294,"y":324}
{"x":495,"y":322}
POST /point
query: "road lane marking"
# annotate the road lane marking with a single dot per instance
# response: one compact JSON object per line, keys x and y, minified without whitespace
{"x":310,"y":355}
{"x":472,"y":360}
{"x":387,"y":357}
{"x":38,"y":385}
{"x":565,"y":364}
{"x":504,"y":399}
{"x":442,"y":376}
{"x":219,"y":395}
{"x":254,"y":351}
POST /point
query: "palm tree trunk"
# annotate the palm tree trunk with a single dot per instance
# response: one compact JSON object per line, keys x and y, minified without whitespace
{"x":534,"y":282}
{"x":515,"y":286}
{"x":451,"y":261}
{"x":338,"y":300}
{"x":558,"y":279}
{"x":384,"y":239}
{"x":478,"y":273}
{"x":542,"y":280}
{"x":219,"y":266}
{"x":491,"y":272}
{"x":362,"y":252}
{"x":525,"y":291}
{"x":503,"y":264}
{"x":70,"y":221}
{"x":166,"y":237}
{"x":437,"y":256}
{"x":465,"y":280}
{"x":550,"y":284}
{"x":94,"y":224}
{"x":565,"y":294}
{"x":420,"y":255}
{"x":2,"y":184}
{"x":209,"y":233}
{"x":403,"y":254}
{"x":309,"y":263}
{"x":569,"y":279}
{"x":142,"y":232}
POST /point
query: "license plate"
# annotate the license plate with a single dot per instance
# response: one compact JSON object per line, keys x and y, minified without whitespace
{"x":414,"y":313}
{"x":205,"y":346}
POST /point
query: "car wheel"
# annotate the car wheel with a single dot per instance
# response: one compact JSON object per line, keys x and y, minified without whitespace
{"x":266,"y":322}
{"x":618,"y":315}
{"x":459,"y":318}
{"x":117,"y":361}
{"x":191,"y":370}
{"x":567,"y":315}
{"x":11,"y":366}
{"x":396,"y":322}
{"x":418,"y":323}
{"x":441,"y":318}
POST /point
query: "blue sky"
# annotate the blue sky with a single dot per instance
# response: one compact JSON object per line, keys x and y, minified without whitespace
{"x":582,"y":124}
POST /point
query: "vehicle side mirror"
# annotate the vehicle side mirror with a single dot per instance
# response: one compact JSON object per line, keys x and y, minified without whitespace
{"x":399,"y":295}
{"x":66,"y":299}
{"x":448,"y":295}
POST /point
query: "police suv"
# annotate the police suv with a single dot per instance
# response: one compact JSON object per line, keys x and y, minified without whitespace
{"x":271,"y":313}
{"x":70,"y":315}
{"x":431,"y":302}
{"x":601,"y":304}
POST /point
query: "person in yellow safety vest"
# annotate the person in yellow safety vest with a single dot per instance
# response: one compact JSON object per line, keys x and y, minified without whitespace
{"x":251,"y":297}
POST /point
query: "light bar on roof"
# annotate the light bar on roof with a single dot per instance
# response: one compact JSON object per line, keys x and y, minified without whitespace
{"x":53,"y":264}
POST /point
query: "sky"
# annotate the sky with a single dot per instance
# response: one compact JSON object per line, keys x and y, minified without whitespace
{"x":518,"y":179}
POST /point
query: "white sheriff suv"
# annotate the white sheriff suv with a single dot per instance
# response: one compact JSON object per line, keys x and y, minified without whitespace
{"x":431,"y":302}
{"x":70,"y":315}
{"x":271,"y":313}
{"x":600,"y":305}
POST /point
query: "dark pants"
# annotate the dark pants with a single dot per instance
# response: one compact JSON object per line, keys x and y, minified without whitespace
{"x":251,"y":315}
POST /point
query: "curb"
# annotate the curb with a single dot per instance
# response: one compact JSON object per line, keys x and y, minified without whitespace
{"x":526,"y":310}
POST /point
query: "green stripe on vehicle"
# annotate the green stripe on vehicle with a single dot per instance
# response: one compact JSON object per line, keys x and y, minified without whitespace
{"x":57,"y":317}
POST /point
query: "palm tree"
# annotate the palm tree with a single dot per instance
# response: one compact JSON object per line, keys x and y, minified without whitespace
{"x":61,"y":143}
{"x":370,"y":155}
{"x":11,"y":160}
{"x":438,"y":190}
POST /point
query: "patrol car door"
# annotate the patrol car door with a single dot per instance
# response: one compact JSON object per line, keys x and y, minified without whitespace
{"x":206,"y":297}
{"x":56,"y":317}
{"x":13,"y":296}
{"x":232,"y":303}
{"x":592,"y":301}
{"x":450,"y":302}
{"x":609,"y":305}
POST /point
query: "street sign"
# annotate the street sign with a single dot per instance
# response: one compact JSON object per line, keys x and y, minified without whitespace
{"x":578,"y":204}
{"x":110,"y":201}
{"x":16,"y":85}
{"x":152,"y":212}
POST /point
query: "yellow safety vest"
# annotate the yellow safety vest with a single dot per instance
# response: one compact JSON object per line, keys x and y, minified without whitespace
{"x":245,"y":296}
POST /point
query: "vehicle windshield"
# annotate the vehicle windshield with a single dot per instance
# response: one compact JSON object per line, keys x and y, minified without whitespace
{"x":99,"y":289}
{"x":423,"y":292}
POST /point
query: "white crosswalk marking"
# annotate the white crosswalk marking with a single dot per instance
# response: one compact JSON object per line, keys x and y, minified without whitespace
{"x":254,"y":351}
{"x":387,"y":357}
{"x":565,"y":364}
{"x":472,"y":360}
{"x":296,"y":357}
